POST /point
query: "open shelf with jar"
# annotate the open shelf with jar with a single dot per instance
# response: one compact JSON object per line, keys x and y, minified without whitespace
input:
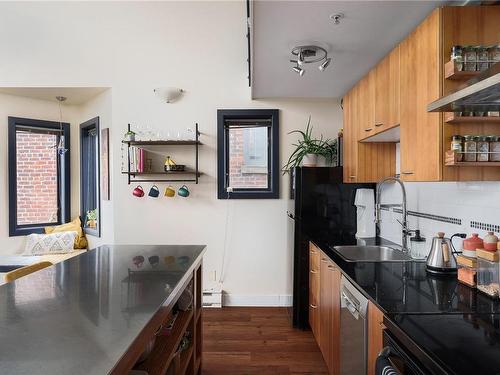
{"x":459,"y":118}
{"x":456,"y":159}
{"x":146,"y":173}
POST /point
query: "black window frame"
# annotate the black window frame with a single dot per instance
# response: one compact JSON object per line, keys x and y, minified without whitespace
{"x":92,"y":123}
{"x":63,"y":175}
{"x":272,"y":191}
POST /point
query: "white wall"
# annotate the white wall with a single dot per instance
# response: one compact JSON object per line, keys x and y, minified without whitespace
{"x":468,"y":201}
{"x":197,"y":46}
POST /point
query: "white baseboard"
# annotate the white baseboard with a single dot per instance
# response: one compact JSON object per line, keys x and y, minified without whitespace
{"x":257,"y":301}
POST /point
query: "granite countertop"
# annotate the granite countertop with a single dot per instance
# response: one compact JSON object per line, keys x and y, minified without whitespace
{"x":79,"y":316}
{"x":457,"y":327}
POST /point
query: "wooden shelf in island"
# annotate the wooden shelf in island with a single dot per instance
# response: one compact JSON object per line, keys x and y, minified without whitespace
{"x":451,"y":160}
{"x":165,"y":347}
{"x":451,"y":72}
{"x":452,"y":118}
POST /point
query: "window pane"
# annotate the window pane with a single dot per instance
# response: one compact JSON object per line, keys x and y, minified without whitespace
{"x":90,"y":177}
{"x":37,"y":201}
{"x":248,"y":157}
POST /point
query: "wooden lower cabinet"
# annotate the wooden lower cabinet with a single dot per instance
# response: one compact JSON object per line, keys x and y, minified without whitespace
{"x":324,"y":306}
{"x":375,"y":336}
{"x":329,"y":313}
{"x":324,"y":313}
{"x":314,"y":292}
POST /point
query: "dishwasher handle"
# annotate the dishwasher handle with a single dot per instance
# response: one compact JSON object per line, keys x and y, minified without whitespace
{"x":350,"y":305}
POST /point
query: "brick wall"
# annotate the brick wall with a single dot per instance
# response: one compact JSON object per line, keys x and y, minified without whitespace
{"x":238,"y":178}
{"x":36,"y":178}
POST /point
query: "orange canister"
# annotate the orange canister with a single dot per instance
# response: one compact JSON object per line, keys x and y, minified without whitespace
{"x":472,"y":243}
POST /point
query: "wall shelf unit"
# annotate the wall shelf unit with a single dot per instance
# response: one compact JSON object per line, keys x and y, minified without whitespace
{"x":451,"y":118}
{"x":189,"y":175}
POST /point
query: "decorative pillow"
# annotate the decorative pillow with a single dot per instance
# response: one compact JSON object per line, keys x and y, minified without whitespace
{"x":73,"y":226}
{"x":54,"y":243}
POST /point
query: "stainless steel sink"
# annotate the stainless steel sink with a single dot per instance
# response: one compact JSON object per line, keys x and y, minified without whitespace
{"x":371,"y":254}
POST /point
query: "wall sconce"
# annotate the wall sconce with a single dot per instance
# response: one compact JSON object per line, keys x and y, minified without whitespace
{"x":168,"y":94}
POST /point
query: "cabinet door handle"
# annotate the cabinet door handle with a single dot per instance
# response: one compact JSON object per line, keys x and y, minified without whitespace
{"x":331,"y":267}
{"x":313,"y":271}
{"x":406,"y":172}
{"x":313,"y":306}
{"x":312,"y":252}
{"x":368,"y":130}
{"x":352,"y":176}
{"x":323,"y":260}
{"x":379,"y":124}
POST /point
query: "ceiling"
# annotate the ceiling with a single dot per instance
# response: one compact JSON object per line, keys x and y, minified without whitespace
{"x":368,"y":31}
{"x":74,"y":95}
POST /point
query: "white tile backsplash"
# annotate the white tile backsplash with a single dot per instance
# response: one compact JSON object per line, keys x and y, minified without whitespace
{"x":468,"y":201}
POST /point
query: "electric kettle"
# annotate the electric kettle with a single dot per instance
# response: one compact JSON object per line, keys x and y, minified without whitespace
{"x":441,"y":259}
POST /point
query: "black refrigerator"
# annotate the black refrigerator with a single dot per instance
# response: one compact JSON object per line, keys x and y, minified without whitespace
{"x":321,"y":207}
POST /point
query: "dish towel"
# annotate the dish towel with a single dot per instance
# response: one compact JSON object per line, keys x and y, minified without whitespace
{"x":383,"y":366}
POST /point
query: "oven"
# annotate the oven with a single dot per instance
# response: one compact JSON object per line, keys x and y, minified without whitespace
{"x":395,"y":359}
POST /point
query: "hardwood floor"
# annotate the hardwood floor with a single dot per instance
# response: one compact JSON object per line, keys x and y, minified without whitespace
{"x":257,"y":340}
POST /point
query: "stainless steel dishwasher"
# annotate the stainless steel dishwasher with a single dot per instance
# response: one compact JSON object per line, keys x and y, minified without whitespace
{"x":353,"y":330}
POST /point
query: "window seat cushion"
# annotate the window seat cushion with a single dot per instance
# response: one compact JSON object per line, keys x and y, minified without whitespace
{"x":73,"y":226}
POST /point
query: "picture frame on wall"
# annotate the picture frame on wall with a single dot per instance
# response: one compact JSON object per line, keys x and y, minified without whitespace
{"x":105,"y":164}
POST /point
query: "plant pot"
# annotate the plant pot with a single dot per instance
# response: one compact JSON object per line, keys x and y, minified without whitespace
{"x":310,"y":160}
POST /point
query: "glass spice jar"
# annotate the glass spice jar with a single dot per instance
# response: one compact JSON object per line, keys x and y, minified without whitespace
{"x":495,"y":148}
{"x":470,"y":57}
{"x":494,"y":54}
{"x":457,"y":146}
{"x":482,"y":58}
{"x":470,"y":148}
{"x":483,"y":148}
{"x":457,"y":57}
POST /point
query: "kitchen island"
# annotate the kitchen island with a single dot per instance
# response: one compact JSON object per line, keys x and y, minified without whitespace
{"x":97,"y":312}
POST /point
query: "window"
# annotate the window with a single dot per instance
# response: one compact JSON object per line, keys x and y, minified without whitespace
{"x":39,"y":178}
{"x":248,"y":154}
{"x":89,"y":177}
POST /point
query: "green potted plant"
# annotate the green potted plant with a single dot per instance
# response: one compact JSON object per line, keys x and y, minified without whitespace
{"x":307,"y":149}
{"x":92,"y":218}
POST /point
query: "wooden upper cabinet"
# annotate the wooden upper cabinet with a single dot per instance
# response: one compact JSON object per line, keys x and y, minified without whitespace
{"x":420,"y":84}
{"x":366,"y":105}
{"x":350,"y":136}
{"x":386,"y":90}
{"x":364,"y":162}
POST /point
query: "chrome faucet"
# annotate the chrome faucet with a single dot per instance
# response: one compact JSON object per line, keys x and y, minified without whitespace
{"x":404,"y":223}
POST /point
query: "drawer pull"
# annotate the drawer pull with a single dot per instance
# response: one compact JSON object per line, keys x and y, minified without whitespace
{"x":313,"y":271}
{"x":352,"y":176}
{"x":313,"y":306}
{"x":368,"y":130}
{"x":323,"y":260}
{"x":331,"y":267}
{"x":379,"y":124}
{"x":406,"y":172}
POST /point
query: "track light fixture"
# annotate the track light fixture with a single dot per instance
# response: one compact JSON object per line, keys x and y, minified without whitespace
{"x":325,"y":63}
{"x":309,"y":54}
{"x":298,"y":70}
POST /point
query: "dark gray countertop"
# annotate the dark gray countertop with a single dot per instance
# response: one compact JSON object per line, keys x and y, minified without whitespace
{"x":79,"y":316}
